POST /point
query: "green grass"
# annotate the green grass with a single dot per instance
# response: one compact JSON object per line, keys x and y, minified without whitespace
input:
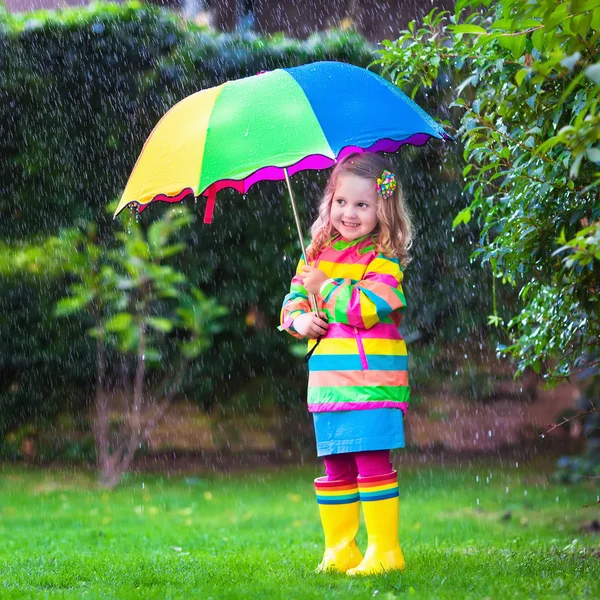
{"x":258,"y":535}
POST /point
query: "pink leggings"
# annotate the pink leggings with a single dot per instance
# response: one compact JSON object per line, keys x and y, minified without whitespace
{"x":342,"y":467}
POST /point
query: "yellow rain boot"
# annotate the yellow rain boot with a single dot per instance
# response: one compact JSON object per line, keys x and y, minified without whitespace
{"x":340,"y":515}
{"x":379,"y":497}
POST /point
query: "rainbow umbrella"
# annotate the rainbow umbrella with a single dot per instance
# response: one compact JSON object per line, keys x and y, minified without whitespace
{"x":270,"y":126}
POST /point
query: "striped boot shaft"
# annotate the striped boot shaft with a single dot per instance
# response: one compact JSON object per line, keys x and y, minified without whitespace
{"x":336,"y":492}
{"x":378,"y":487}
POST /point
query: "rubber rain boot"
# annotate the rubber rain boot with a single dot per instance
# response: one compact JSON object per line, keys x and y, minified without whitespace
{"x":380,"y":502}
{"x":339,"y":507}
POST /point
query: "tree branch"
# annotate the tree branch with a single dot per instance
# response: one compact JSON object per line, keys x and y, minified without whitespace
{"x":566,"y":420}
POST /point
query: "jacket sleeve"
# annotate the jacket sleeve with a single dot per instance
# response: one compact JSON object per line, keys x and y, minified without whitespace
{"x":373,"y":298}
{"x":295,"y":303}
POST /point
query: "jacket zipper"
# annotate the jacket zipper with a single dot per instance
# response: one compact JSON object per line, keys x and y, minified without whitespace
{"x":316,"y":265}
{"x":361,"y":350}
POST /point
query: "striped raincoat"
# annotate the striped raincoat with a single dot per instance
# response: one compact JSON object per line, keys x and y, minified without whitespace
{"x":361,"y":363}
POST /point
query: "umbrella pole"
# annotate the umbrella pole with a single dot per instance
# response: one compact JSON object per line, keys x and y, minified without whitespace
{"x":311,"y":297}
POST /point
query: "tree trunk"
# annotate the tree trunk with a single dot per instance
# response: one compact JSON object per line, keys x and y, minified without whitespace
{"x":138,"y":423}
{"x":101,"y":417}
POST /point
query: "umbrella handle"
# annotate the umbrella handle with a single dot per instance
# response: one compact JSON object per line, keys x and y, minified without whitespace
{"x":311,"y":297}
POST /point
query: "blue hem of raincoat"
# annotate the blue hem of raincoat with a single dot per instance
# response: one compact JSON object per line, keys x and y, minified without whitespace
{"x":358,"y":430}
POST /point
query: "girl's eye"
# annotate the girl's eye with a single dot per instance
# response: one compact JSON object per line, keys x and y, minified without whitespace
{"x":340,"y":201}
{"x":362,"y":204}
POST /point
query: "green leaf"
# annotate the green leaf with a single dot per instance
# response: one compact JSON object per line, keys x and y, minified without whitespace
{"x":160,"y":324}
{"x":595,"y":21}
{"x":129,"y":339}
{"x":520,"y":75}
{"x":157,"y":234}
{"x":96,"y":332}
{"x":119,"y":322}
{"x":515,"y":24}
{"x":464,"y":216}
{"x":502,"y":24}
{"x":459,"y":102}
{"x":549,"y":143}
{"x":559,"y":14}
{"x":467,"y":29}
{"x":68,"y":306}
{"x":170,"y":250}
{"x":194,"y":348}
{"x":538,"y":40}
{"x":579,"y":6}
{"x":140,"y":249}
{"x":495,"y":321}
{"x":515,"y":44}
{"x":169,"y":292}
{"x":581,"y":24}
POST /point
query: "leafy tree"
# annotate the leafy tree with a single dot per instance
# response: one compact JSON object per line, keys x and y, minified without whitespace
{"x":530,"y":125}
{"x":139,"y":306}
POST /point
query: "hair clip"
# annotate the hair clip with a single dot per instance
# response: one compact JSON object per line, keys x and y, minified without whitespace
{"x":386,"y":184}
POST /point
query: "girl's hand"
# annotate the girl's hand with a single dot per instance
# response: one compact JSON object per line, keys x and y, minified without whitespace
{"x":313,"y":279}
{"x":310,"y":325}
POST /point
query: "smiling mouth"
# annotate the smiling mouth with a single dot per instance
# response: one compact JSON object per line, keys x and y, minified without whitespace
{"x":346,"y":224}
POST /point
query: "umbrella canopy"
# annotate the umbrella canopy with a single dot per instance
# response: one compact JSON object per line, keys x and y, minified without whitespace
{"x":269,"y":126}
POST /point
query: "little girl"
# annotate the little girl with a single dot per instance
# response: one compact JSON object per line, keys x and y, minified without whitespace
{"x":358,"y":380}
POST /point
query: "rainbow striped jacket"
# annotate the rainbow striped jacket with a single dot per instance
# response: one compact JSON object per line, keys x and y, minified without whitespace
{"x":361,"y":363}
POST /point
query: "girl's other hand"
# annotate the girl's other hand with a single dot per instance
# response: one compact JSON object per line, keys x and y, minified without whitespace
{"x":313,"y":279}
{"x":311,"y":325}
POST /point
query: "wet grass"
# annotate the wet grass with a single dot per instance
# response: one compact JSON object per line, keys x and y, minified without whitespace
{"x":482,"y":531}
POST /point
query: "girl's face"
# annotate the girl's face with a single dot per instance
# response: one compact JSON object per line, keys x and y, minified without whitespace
{"x":354,"y":206}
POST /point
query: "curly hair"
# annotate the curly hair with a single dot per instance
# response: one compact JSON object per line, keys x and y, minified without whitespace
{"x":393,"y":234}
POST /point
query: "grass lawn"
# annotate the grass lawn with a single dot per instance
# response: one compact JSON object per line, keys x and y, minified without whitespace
{"x":488,"y":530}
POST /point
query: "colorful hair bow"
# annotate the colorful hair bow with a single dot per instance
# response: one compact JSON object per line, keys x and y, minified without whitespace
{"x":386,"y":184}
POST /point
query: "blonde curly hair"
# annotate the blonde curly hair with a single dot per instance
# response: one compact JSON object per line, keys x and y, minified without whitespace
{"x":394,"y":230}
